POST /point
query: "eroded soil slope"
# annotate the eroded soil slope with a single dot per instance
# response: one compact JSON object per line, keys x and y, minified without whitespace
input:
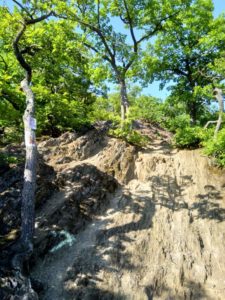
{"x":159,"y":235}
{"x":129,"y":223}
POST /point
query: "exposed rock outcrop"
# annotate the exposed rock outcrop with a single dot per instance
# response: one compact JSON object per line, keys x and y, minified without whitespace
{"x":128,"y":223}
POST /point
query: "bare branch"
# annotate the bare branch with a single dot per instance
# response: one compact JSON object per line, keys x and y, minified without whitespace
{"x":210,"y":77}
{"x":97,"y":51}
{"x":123,"y":20}
{"x":90,"y":47}
{"x":128,"y":65}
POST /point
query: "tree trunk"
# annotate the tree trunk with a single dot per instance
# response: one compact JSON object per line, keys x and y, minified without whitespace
{"x":28,"y":193}
{"x":24,"y":247}
{"x":124,"y":100}
{"x":219,"y":97}
{"x":192,"y":111}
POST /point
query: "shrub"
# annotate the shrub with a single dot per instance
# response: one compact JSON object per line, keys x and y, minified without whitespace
{"x":146,"y":108}
{"x":191,"y":137}
{"x":129,"y":135}
{"x":180,"y":121}
{"x":215,"y":147}
{"x":187,"y":137}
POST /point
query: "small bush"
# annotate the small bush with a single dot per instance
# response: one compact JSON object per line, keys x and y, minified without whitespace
{"x":186,"y":137}
{"x":180,"y":121}
{"x":146,"y":108}
{"x":191,"y":137}
{"x":12,"y":135}
{"x":8,"y":159}
{"x":215,"y":147}
{"x":5,"y":161}
{"x":129,"y":135}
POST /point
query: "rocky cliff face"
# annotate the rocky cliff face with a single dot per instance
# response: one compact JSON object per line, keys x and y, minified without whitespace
{"x":129,"y":223}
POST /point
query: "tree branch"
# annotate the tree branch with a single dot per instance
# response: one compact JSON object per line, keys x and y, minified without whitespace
{"x":18,"y":54}
{"x":98,"y":13}
{"x":209,"y":122}
{"x":135,"y":44}
{"x":91,"y":47}
{"x":30,"y":50}
{"x":5,"y":63}
{"x":95,"y":29}
{"x":23,"y":8}
{"x":128,"y":65}
{"x":39,"y":19}
{"x":158,"y":27}
{"x":8,"y":98}
{"x":178,"y":71}
{"x":97,"y":51}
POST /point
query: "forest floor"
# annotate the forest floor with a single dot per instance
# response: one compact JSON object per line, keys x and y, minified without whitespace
{"x":129,"y":223}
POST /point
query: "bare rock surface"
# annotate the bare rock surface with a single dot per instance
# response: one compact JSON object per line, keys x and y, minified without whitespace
{"x":160,"y":235}
{"x":129,"y":223}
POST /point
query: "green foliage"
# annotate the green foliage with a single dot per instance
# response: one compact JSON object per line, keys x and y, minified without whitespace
{"x":6,"y":160}
{"x":174,"y":114}
{"x":178,"y":122}
{"x":192,"y":137}
{"x":115,"y":55}
{"x":215,"y":147}
{"x":142,"y":107}
{"x":13,"y":134}
{"x":58,"y":113}
{"x":146,"y":108}
{"x":106,"y":109}
{"x":130,"y":135}
{"x":61,"y":82}
{"x":184,"y":56}
{"x":187,"y":137}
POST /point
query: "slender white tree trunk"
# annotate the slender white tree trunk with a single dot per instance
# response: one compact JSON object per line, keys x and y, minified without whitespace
{"x":28,"y":193}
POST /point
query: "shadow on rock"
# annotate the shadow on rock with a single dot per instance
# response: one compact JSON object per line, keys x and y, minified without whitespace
{"x":93,"y":293}
{"x":168,"y":193}
{"x":208,"y":206}
{"x":14,"y":284}
{"x":83,"y":196}
{"x":110,"y":253}
{"x":192,"y":291}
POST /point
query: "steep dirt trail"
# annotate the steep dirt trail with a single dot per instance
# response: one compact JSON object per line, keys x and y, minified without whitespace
{"x":162,"y":235}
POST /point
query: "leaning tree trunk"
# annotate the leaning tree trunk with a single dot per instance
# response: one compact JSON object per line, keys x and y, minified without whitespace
{"x":124,"y":100}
